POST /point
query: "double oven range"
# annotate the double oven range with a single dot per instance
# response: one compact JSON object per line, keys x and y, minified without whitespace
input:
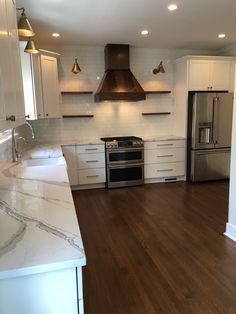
{"x":124,"y":161}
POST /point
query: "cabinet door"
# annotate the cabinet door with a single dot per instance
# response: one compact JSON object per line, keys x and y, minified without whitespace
{"x":37,"y":85}
{"x":69,"y":154}
{"x":15,"y":88}
{"x":27,"y":83}
{"x":199,"y":75}
{"x":91,"y":161}
{"x":50,"y":86}
{"x":220,"y":74}
{"x":3,"y":64}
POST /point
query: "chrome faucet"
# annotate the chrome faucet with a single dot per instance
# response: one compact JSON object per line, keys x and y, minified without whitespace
{"x":16,"y":155}
{"x":31,"y":128}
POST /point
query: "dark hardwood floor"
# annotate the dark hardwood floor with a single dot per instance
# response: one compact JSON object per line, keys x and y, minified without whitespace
{"x":158,"y":248}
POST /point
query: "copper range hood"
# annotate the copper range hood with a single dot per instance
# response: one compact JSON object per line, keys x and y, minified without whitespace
{"x":118,"y":82}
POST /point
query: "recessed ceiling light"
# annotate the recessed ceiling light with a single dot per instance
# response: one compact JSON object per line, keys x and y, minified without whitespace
{"x":221,"y":36}
{"x":144,"y":32}
{"x":56,"y":35}
{"x":172,"y":7}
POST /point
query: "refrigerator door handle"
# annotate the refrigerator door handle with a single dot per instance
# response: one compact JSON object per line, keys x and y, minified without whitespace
{"x":214,"y":123}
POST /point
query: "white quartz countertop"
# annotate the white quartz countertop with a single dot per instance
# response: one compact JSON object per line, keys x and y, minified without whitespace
{"x":39,"y":230}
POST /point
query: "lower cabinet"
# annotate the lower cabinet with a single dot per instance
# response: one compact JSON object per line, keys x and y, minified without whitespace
{"x":85,"y":164}
{"x":91,"y":164}
{"x":164,"y":161}
{"x":58,"y":291}
{"x":70,"y":157}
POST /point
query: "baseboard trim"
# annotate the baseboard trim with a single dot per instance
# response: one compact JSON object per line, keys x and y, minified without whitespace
{"x":230,"y":231}
{"x":168,"y":179}
{"x":88,"y":186}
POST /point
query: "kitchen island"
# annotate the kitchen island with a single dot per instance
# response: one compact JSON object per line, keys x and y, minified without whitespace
{"x":41,"y":250}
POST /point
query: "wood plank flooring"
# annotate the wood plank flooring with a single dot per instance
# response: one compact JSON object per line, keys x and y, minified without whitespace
{"x":158,"y":248}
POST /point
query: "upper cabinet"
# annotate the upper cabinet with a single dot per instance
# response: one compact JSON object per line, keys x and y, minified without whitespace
{"x":41,"y":86}
{"x":208,"y":75}
{"x":50,"y":86}
{"x":12,"y":111}
{"x":198,"y":73}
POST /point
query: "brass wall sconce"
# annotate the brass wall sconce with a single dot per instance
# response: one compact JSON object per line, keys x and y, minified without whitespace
{"x":25,"y":30}
{"x":76,"y":69}
{"x":30,"y":47}
{"x":159,"y":69}
{"x":24,"y":27}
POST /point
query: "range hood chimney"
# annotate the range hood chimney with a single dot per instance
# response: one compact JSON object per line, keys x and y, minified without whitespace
{"x":118,"y":82}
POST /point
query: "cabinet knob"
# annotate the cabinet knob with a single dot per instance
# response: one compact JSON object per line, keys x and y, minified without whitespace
{"x":28,"y":116}
{"x":11,"y":118}
{"x":46,"y":114}
{"x":39,"y":114}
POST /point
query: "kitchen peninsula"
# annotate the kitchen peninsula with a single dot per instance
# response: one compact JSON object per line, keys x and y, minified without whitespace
{"x":41,"y":248}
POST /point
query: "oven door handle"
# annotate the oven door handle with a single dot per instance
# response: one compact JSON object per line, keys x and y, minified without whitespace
{"x":124,"y":150}
{"x":119,"y":166}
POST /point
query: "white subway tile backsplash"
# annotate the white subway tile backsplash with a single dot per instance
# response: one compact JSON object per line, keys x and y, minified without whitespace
{"x":110,"y":118}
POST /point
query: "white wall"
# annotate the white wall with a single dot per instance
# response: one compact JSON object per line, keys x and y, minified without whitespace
{"x":111,"y":118}
{"x":231,"y":225}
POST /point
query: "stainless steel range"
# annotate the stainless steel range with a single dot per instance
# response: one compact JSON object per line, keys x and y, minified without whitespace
{"x":124,"y":161}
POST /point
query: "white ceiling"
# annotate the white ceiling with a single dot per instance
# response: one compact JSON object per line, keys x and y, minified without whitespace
{"x":195,"y":25}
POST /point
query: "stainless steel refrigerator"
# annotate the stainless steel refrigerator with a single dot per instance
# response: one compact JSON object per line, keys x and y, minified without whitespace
{"x":209,"y":136}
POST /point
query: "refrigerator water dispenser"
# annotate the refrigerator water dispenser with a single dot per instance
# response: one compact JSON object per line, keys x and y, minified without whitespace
{"x":205,"y":131}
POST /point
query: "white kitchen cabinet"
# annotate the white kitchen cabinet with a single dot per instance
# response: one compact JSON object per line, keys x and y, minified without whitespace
{"x":164,"y":160}
{"x":50,"y":86}
{"x":87,"y":149}
{"x":91,"y":164}
{"x":209,"y":75}
{"x":58,"y":291}
{"x":92,"y":176}
{"x":85,"y":165}
{"x":11,"y":88}
{"x":164,"y":171}
{"x":91,"y":161}
{"x":70,"y":157}
{"x":41,"y":86}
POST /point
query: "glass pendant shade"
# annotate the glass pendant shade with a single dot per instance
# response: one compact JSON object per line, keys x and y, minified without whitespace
{"x":24,"y":27}
{"x":76,"y":69}
{"x":159,"y":69}
{"x":30,"y":47}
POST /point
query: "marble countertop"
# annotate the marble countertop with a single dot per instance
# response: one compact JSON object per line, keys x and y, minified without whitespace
{"x":39,"y":230}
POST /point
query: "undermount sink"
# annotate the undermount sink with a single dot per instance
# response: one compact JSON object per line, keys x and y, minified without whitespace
{"x":34,"y":162}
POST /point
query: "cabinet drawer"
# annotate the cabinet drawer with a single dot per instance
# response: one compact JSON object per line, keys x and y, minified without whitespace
{"x":164,"y":144}
{"x":91,"y":176}
{"x":164,"y":170}
{"x":160,"y":155}
{"x":90,"y":161}
{"x":81,"y":149}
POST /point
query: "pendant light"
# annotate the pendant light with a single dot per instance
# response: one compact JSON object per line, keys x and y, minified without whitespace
{"x":24,"y":27}
{"x":30,"y":47}
{"x":159,"y":69}
{"x":76,"y":69}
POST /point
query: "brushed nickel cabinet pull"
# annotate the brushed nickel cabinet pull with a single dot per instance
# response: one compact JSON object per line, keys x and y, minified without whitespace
{"x":95,"y":176}
{"x":165,"y":144}
{"x":91,"y":161}
{"x":91,"y":149}
{"x":163,"y":170}
{"x":165,"y":155}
